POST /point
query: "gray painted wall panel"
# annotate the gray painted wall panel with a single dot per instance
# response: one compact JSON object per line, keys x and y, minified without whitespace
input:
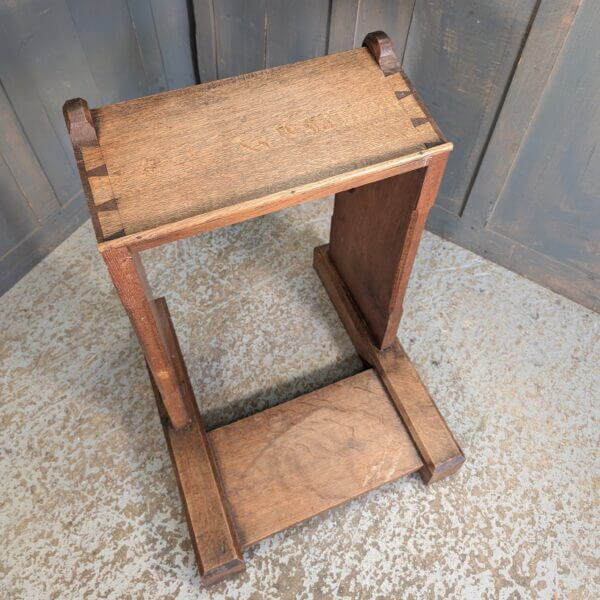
{"x":239,"y":36}
{"x":551,"y":200}
{"x":460,"y":55}
{"x":296,"y":31}
{"x":52,"y":50}
{"x":17,"y":220}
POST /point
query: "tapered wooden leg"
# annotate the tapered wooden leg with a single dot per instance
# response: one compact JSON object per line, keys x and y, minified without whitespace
{"x":439,"y":450}
{"x":129,"y":278}
{"x":375,"y":233}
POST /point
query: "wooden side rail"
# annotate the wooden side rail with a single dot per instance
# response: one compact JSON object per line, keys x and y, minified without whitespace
{"x":213,"y":536}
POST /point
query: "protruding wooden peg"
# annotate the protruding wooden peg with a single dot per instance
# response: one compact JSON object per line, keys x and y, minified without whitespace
{"x":380,"y":46}
{"x":79,"y":122}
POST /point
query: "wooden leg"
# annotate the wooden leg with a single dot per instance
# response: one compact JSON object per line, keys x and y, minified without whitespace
{"x":212,"y":532}
{"x":129,"y":278}
{"x":439,"y":451}
{"x":375,"y":233}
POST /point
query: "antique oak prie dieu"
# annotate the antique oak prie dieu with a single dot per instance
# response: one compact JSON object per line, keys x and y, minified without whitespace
{"x":179,"y":163}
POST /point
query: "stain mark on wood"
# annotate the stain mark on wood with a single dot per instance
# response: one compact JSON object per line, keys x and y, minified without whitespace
{"x":115,"y":235}
{"x":402,"y":94}
{"x":108,"y":205}
{"x":100,"y":171}
{"x":417,"y":122}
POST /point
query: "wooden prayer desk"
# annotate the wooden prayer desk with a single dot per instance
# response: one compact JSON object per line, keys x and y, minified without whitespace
{"x":179,"y":163}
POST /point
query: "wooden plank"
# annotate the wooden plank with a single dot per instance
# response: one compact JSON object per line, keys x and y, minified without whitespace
{"x":173,"y":31}
{"x":213,"y":537}
{"x":108,"y":39}
{"x":38,"y":48}
{"x":17,"y":220}
{"x":295,"y":31}
{"x":381,"y":15}
{"x":144,"y":28}
{"x":240,"y":36}
{"x":460,"y":56}
{"x":553,"y":19}
{"x":375,"y":233}
{"x":23,"y":163}
{"x":291,"y":462}
{"x":156,"y":148}
{"x":40,"y":242}
{"x":551,"y":200}
{"x":206,"y":48}
{"x":128,"y":275}
{"x":342,"y":25}
{"x":439,"y":451}
{"x":274,"y":202}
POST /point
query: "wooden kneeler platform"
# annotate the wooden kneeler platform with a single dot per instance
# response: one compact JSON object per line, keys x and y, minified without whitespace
{"x":169,"y":166}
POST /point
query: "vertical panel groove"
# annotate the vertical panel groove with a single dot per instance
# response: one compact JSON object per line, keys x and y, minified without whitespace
{"x":494,"y":122}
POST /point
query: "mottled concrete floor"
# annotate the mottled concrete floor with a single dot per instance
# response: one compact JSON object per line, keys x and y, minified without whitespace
{"x":88,"y":503}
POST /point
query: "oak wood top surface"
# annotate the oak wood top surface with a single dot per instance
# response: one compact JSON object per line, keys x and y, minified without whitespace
{"x":215,"y":146}
{"x":291,"y":462}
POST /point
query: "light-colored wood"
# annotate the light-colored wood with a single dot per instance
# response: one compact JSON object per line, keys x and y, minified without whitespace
{"x":277,"y":201}
{"x":289,"y":463}
{"x":439,"y":450}
{"x":129,"y":277}
{"x":213,"y":536}
{"x":193,"y":151}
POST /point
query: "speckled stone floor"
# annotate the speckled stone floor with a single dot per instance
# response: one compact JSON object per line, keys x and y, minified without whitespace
{"x":89,"y":506}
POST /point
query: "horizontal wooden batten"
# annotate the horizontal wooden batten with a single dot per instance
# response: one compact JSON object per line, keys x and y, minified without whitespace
{"x":288,"y":463}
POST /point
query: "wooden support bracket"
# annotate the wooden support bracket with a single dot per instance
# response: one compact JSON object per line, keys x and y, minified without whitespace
{"x":441,"y":454}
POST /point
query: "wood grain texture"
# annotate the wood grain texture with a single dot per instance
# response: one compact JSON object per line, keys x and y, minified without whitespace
{"x":129,"y":277}
{"x":439,"y":450}
{"x":202,"y":149}
{"x":213,"y":537}
{"x":291,"y":462}
{"x":375,"y":233}
{"x":96,"y":184}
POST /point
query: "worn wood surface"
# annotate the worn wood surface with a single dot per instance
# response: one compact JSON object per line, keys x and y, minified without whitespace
{"x":439,"y":450}
{"x":291,"y":462}
{"x":128,"y":275}
{"x":375,"y":233}
{"x":212,"y":532}
{"x":97,"y":188}
{"x":183,"y":155}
